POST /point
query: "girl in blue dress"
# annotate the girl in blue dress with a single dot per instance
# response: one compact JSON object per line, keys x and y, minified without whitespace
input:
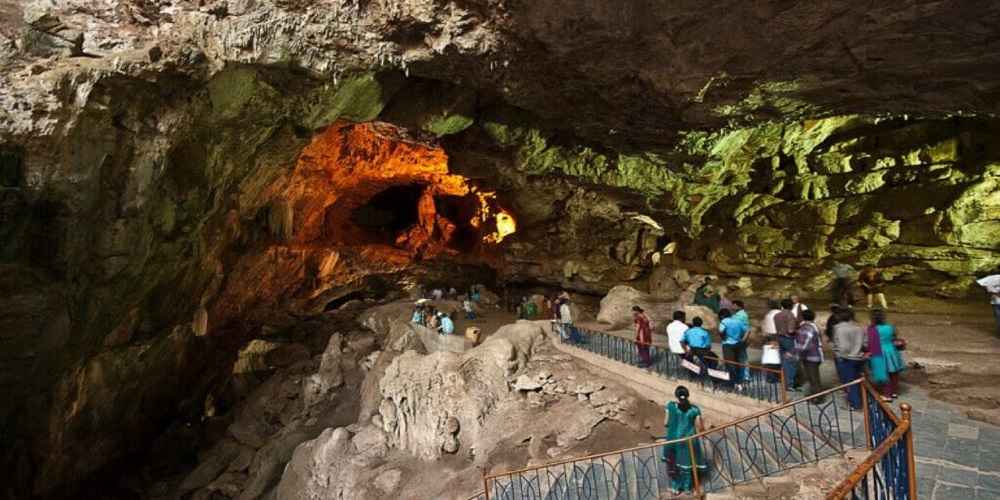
{"x":683,"y":419}
{"x":886,"y":363}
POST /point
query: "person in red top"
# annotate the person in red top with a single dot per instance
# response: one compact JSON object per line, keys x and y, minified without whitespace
{"x":643,"y":336}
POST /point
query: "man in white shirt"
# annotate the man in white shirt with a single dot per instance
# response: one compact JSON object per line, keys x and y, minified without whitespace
{"x":566,"y":320}
{"x":767,"y":326}
{"x":798,"y":307}
{"x":675,"y":332}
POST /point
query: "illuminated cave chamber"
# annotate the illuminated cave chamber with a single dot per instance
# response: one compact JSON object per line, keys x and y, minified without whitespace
{"x":376,"y":186}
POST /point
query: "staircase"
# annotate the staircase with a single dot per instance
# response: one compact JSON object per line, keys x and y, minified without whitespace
{"x":745,"y":451}
{"x":800,"y":448}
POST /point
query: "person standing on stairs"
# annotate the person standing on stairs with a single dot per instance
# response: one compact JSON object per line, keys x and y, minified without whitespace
{"x":798,"y":307}
{"x":683,"y":419}
{"x":697,"y":343}
{"x":740,"y":313}
{"x":849,"y":346}
{"x":675,"y":332}
{"x":884,"y":362}
{"x":734,"y":345}
{"x":810,"y":348}
{"x":786,"y":326}
{"x":643,"y":336}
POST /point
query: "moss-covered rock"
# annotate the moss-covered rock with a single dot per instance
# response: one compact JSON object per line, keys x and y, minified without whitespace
{"x":356,"y":98}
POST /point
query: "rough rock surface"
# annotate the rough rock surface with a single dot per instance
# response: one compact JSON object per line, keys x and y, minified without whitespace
{"x":616,"y":306}
{"x":421,"y":393}
{"x":172,"y":173}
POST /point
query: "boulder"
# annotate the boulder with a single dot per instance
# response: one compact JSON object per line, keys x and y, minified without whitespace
{"x":330,"y":376}
{"x":709,"y":318}
{"x":616,"y":307}
{"x":315,"y":466}
{"x":663,"y":282}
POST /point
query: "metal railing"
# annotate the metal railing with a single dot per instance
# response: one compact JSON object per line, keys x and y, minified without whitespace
{"x":708,"y":372}
{"x":889,"y":473}
{"x":748,"y":449}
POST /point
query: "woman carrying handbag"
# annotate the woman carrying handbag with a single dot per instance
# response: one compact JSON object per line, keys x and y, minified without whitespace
{"x":885,"y":363}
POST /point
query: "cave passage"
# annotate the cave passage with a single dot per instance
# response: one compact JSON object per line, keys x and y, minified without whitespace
{"x":390,"y":190}
{"x":389,"y":213}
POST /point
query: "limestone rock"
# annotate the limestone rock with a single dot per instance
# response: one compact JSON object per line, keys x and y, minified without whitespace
{"x":388,"y":480}
{"x":709,"y":318}
{"x":525,"y":383}
{"x":422,"y":393}
{"x":211,"y":466}
{"x":616,"y":307}
{"x":314,"y":466}
{"x":330,"y":376}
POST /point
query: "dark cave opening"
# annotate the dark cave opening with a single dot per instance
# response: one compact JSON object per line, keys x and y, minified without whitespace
{"x":336,"y":303}
{"x":390,"y":212}
{"x":461,"y":210}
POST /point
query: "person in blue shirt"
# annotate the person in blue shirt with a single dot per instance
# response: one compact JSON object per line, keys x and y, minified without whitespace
{"x":734,"y":345}
{"x":446,"y":326}
{"x":418,"y":316}
{"x":740,"y":313}
{"x":697,"y":341}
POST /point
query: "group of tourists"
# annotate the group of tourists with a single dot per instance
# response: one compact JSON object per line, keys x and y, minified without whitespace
{"x":693,"y":342}
{"x":427,"y":315}
{"x":793,"y":344}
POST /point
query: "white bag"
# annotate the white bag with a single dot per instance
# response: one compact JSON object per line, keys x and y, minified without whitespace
{"x":771,"y":356}
{"x":719,"y":374}
{"x":694,"y":368}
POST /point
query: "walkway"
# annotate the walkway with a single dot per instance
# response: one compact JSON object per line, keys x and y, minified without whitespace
{"x":957,"y":458}
{"x":768,"y":440}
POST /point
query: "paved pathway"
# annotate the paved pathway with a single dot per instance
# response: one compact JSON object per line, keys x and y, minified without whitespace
{"x":957,"y":458}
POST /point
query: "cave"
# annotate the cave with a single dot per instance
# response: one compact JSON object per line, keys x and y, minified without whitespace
{"x":389,"y":213}
{"x":193,"y":193}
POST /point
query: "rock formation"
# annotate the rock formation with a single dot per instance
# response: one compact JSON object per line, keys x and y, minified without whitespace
{"x":178,"y":178}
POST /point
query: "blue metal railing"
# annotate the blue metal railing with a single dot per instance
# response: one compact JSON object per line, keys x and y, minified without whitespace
{"x":746,"y":450}
{"x":889,"y":473}
{"x":753,"y":381}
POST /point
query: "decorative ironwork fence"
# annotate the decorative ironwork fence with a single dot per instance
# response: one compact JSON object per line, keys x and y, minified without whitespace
{"x":708,"y":372}
{"x":764,"y":444}
{"x":889,"y":473}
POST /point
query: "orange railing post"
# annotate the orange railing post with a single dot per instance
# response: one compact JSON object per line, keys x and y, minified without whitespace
{"x":694,"y":466}
{"x":486,"y":483}
{"x":784,"y":388}
{"x":864,"y":411}
{"x":907,"y":411}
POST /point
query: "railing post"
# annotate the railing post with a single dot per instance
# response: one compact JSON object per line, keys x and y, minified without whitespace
{"x":864,"y":410}
{"x":486,"y":486}
{"x":694,"y":466}
{"x":784,"y":389}
{"x":911,"y":465}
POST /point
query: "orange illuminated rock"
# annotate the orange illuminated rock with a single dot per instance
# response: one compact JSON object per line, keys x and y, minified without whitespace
{"x":422,"y":212}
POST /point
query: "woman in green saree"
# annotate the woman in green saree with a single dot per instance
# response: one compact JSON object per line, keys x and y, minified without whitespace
{"x":683,"y":419}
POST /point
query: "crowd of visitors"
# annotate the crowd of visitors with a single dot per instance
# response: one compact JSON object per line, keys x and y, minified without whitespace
{"x":793,"y":342}
{"x":426,"y":314}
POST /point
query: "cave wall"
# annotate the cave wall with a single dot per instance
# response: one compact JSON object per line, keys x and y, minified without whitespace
{"x":141,"y":143}
{"x":785,"y":200}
